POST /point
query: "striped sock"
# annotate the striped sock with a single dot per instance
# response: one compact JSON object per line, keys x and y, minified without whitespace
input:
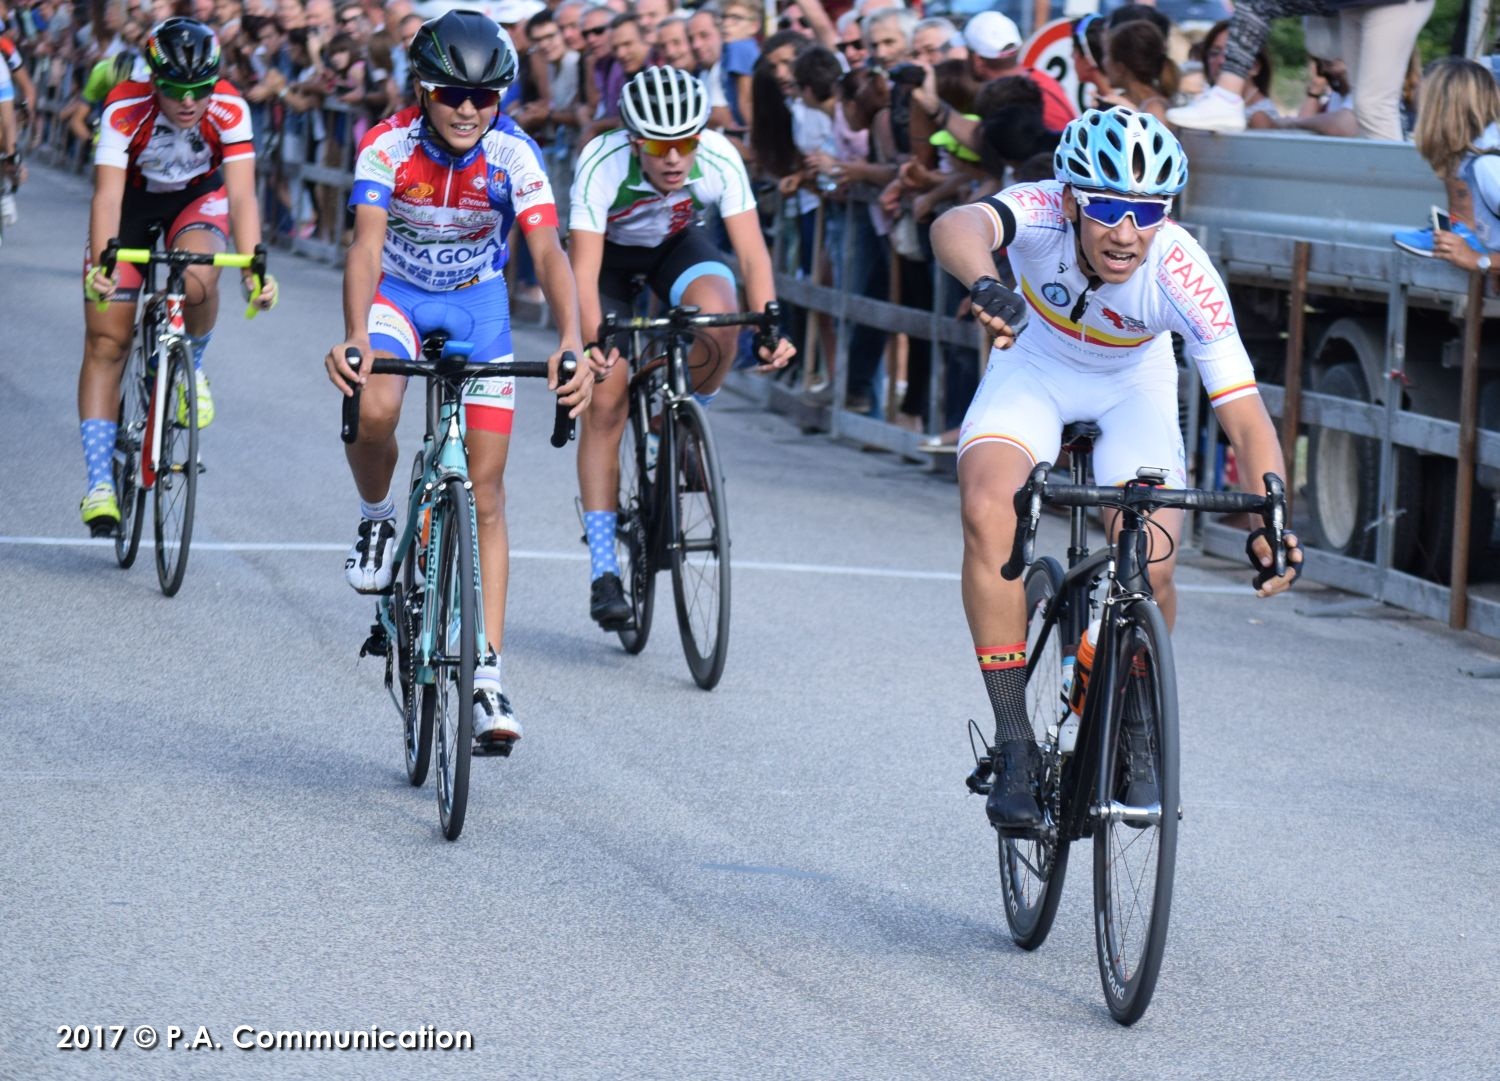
{"x":1004,"y":671}
{"x":600,"y":527}
{"x":98,"y":437}
{"x":376,"y":512}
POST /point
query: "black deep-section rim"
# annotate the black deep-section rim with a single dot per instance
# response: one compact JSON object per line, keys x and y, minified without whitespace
{"x":130,"y":430}
{"x":700,"y":555}
{"x":1134,"y":864}
{"x":631,"y":543}
{"x":1032,"y":870}
{"x":453,"y":684}
{"x":417,"y":708}
{"x":176,"y":488}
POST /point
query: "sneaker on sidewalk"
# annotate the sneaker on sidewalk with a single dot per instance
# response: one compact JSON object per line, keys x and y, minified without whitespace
{"x":368,"y":565}
{"x":1212,"y":110}
{"x":1419,"y":241}
{"x":100,"y":510}
{"x":205,"y":401}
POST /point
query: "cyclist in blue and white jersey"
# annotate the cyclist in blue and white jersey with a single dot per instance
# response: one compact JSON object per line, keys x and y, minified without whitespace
{"x":638,"y":196}
{"x":437,"y":188}
{"x":1108,"y":277}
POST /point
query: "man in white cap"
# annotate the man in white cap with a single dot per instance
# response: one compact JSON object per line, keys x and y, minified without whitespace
{"x":994,"y":43}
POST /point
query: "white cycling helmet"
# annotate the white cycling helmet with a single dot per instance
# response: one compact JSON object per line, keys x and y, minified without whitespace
{"x":1122,"y":151}
{"x":664,"y":103}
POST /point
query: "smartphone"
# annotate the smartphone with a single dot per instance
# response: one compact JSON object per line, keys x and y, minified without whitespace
{"x":1441,"y":222}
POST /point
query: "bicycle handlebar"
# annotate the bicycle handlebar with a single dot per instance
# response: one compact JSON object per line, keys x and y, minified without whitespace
{"x":563,"y":426}
{"x":1143,"y":499}
{"x":684,"y":318}
{"x":175,"y":257}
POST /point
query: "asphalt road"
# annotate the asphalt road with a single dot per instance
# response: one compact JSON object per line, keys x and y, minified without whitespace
{"x":206,"y":820}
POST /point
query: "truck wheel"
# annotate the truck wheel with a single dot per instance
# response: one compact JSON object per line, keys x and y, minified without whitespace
{"x":1434,"y":551}
{"x":1343,"y":481}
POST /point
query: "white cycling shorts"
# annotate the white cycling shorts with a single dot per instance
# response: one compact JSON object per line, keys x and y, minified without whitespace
{"x":1024,"y":400}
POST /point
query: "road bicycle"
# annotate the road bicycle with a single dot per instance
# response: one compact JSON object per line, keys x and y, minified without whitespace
{"x":1110,"y":758}
{"x":429,"y":625}
{"x":678,"y":517}
{"x":156,"y":445}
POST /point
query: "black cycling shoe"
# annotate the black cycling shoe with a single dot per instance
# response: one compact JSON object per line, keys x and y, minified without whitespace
{"x":1012,"y":806}
{"x":607,"y":604}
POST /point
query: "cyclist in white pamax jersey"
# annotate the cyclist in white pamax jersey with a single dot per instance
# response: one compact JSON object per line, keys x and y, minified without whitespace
{"x":1106,"y":277}
{"x":638,"y":193}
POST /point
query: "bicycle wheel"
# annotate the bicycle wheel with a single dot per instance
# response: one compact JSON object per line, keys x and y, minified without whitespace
{"x":454,"y":618}
{"x":417,"y":709}
{"x":633,"y":534}
{"x":700,"y":550}
{"x":1135,"y":854}
{"x":176,"y":470}
{"x":1032,"y":869}
{"x":131,"y":431}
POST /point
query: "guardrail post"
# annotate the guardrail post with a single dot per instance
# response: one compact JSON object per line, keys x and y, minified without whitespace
{"x":813,"y":333}
{"x":1395,"y":382}
{"x":1468,"y":434}
{"x":936,"y":359}
{"x":843,"y":332}
{"x":1296,"y":348}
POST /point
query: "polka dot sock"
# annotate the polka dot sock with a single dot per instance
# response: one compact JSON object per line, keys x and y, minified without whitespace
{"x":98,"y":449}
{"x":600,"y":527}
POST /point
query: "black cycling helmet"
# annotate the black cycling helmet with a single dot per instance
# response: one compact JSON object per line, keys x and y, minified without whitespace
{"x":463,"y":48}
{"x":183,"y":51}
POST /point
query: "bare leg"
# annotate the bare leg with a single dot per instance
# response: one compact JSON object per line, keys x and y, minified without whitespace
{"x":488,"y":452}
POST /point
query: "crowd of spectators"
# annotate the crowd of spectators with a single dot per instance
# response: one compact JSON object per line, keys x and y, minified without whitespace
{"x":871,"y":107}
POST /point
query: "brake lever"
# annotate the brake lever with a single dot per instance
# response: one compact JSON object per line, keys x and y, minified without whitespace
{"x":1028,"y":504}
{"x":350,"y":429}
{"x":1275,"y":519}
{"x":563,"y":426}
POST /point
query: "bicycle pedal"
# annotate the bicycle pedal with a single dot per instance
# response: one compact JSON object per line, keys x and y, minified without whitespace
{"x":978,"y":781}
{"x":493,"y":748}
{"x":378,"y":644}
{"x":105,"y":528}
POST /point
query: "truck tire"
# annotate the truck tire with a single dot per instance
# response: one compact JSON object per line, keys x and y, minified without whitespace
{"x":1343,"y":481}
{"x":1433,"y":559}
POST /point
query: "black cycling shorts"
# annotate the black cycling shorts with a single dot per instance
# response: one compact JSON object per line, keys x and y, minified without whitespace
{"x":668,"y":270}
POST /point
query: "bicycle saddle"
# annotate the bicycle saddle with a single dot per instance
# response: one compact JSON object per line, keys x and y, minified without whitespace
{"x":1080,"y":435}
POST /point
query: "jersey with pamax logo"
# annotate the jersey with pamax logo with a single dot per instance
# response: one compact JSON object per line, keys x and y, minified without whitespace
{"x":1176,"y":289}
{"x":612,"y":196}
{"x":450,"y":216}
{"x":156,"y":153}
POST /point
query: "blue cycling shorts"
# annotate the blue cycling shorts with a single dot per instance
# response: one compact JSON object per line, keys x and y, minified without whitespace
{"x":403,"y":314}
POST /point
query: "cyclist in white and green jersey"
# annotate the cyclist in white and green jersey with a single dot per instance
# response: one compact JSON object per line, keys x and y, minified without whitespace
{"x":638,"y":196}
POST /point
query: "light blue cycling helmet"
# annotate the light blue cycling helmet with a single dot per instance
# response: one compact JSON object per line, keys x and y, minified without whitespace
{"x":1122,"y":151}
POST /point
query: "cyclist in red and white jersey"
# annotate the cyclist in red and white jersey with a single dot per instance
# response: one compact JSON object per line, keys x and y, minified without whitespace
{"x":436,"y":191}
{"x":172,"y":154}
{"x":1107,"y":277}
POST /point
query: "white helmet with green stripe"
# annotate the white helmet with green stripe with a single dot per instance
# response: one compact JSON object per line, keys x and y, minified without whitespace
{"x":664,"y":103}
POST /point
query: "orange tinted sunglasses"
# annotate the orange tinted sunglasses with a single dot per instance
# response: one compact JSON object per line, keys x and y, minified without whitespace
{"x":660,"y":148}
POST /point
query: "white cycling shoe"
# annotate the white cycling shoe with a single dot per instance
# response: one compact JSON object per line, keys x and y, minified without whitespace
{"x":368,"y":565}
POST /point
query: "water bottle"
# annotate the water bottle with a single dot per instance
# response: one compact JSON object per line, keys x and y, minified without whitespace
{"x":1067,"y":733}
{"x":1085,"y":663}
{"x":653,"y":447}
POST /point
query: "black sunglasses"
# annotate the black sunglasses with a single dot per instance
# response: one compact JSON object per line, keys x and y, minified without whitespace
{"x":846,"y":46}
{"x":784,"y":23}
{"x":595,"y":31}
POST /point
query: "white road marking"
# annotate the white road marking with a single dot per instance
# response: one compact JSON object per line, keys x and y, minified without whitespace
{"x":905,"y":574}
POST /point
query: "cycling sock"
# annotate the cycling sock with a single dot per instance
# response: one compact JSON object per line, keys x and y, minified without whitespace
{"x":199,"y":345}
{"x":384,"y":510}
{"x":1004,"y":671}
{"x":705,"y":400}
{"x":486,"y":675}
{"x":600,"y":527}
{"x":99,"y":449}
